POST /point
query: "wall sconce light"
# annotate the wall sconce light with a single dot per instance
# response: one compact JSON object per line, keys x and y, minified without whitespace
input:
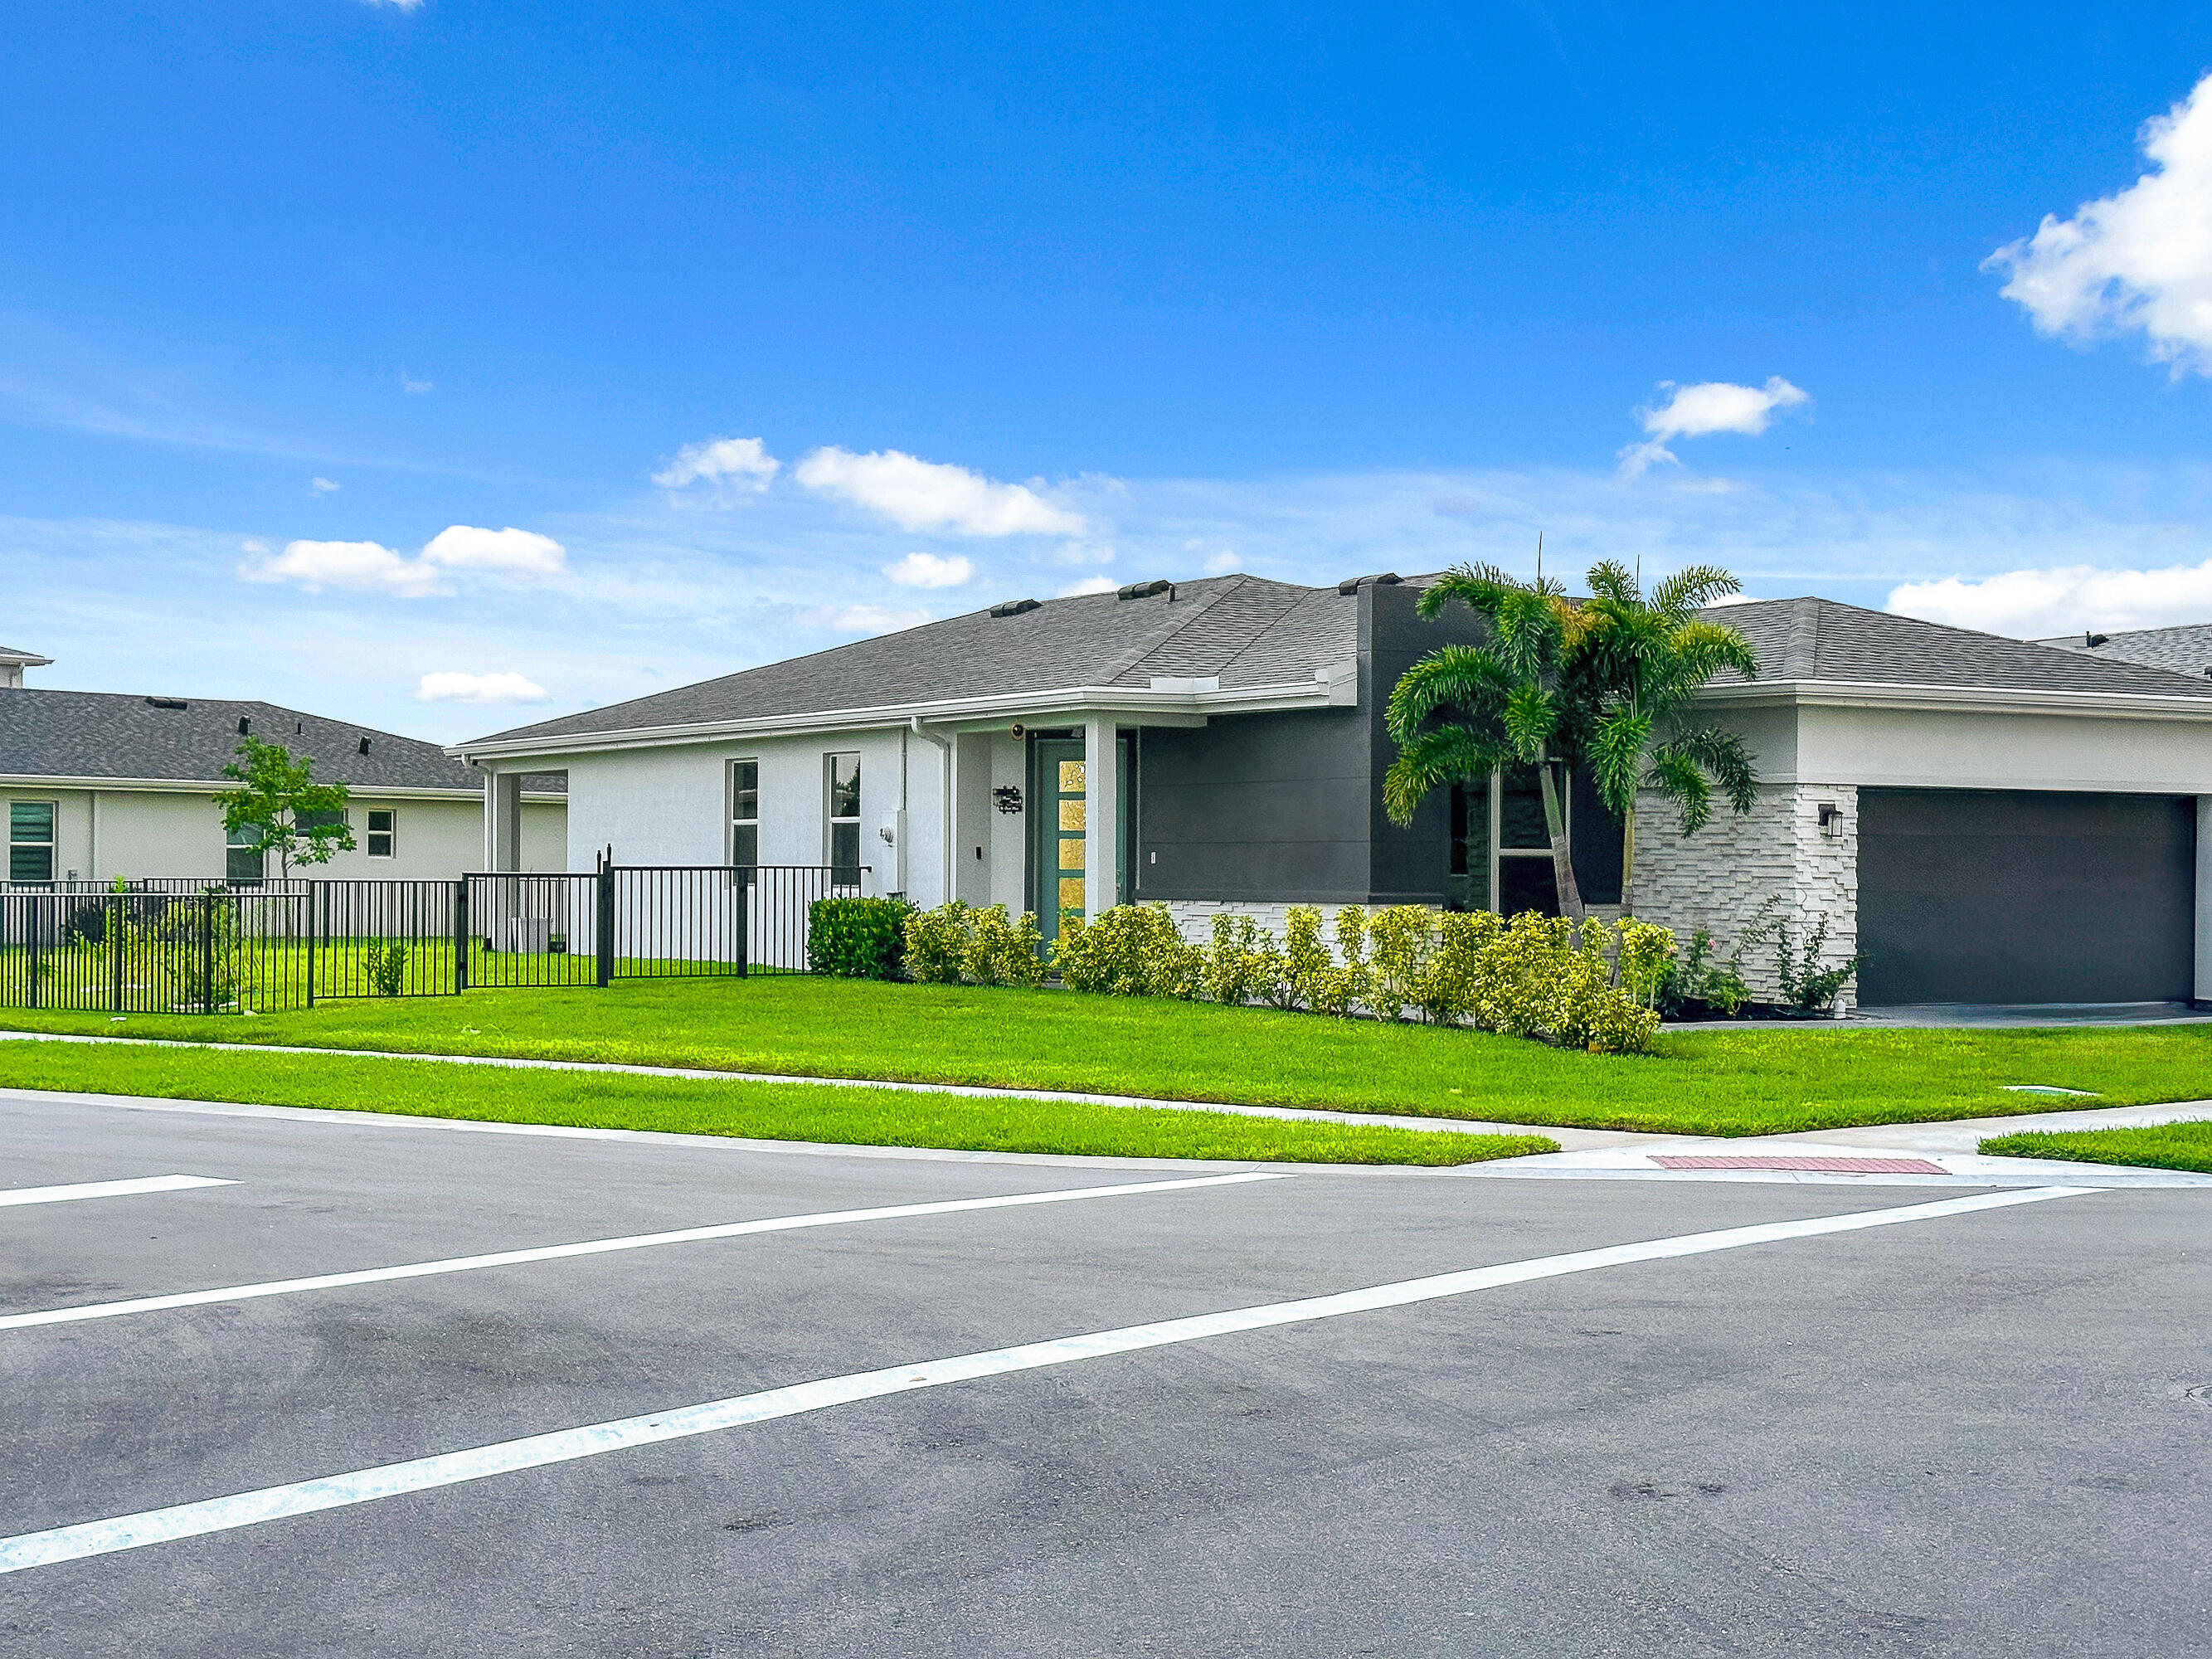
{"x":1008,"y":797}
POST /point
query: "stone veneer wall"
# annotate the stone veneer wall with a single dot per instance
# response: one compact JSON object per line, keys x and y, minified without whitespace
{"x":1718,"y":877}
{"x":1194,"y":917}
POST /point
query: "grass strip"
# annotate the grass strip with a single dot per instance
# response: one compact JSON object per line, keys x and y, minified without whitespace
{"x":2154,"y":1146}
{"x":765,"y":1111}
{"x":1736,"y":1082}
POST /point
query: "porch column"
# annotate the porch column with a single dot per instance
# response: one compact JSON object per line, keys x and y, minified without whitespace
{"x":2202,"y":988}
{"x":502,"y":821}
{"x":1101,"y":813}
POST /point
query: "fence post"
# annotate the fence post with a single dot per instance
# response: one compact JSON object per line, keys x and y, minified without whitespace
{"x":460,"y":935}
{"x":606,"y":924}
{"x":315,"y":894}
{"x":113,"y":934}
{"x":35,"y":911}
{"x":207,"y":953}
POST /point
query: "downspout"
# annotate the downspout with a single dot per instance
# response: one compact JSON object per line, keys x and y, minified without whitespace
{"x":943,"y":798}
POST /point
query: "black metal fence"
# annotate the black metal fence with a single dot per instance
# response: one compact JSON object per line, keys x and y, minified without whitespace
{"x":202,"y":947}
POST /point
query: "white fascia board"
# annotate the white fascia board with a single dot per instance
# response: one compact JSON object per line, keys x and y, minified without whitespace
{"x":188,"y":786}
{"x":1139,"y":706}
{"x":1958,"y":699}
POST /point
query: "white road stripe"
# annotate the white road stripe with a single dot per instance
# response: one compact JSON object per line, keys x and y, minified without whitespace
{"x":602,"y":1246}
{"x":171,"y":1183}
{"x":450,"y":1468}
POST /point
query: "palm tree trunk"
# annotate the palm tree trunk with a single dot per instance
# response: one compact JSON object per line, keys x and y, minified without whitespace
{"x":1628,"y":863}
{"x":1563,"y":864}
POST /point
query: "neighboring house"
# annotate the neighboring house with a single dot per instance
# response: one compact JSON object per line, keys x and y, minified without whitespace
{"x":1988,"y":819}
{"x":96,"y":785}
{"x":2185,"y":650}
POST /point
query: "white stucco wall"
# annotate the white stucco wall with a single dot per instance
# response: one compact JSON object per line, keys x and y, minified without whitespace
{"x":138,"y":833}
{"x":670,"y":804}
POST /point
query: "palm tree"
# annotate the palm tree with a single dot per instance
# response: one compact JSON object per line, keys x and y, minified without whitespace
{"x":1466,"y":711}
{"x":1633,"y":667}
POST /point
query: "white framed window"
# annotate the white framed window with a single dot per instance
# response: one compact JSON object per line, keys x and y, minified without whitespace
{"x":841,"y":776}
{"x":383,"y":832}
{"x":745,"y":813}
{"x":30,"y":841}
{"x":243,"y":857}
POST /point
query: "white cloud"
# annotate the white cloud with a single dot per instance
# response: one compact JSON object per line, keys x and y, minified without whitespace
{"x":927,"y":570}
{"x":738,"y":464}
{"x":415,"y":387}
{"x":514,"y":552}
{"x":2064,"y":599}
{"x":320,"y":486}
{"x":1088,"y":584}
{"x":365,"y":566}
{"x":1700,"y":411}
{"x":919,"y":495}
{"x":397,"y":5}
{"x":1223,"y":563}
{"x":862,"y":618}
{"x":2139,"y":259}
{"x":452,"y":687}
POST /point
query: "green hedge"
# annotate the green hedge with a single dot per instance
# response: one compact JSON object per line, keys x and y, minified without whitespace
{"x":857,"y":938}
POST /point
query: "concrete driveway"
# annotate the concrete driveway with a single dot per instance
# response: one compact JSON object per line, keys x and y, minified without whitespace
{"x":409,"y":1387}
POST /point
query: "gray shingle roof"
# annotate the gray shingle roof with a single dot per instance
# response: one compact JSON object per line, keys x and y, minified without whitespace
{"x":2186,"y":650}
{"x":101,"y":734}
{"x":1246,"y":629}
{"x":1810,"y":639}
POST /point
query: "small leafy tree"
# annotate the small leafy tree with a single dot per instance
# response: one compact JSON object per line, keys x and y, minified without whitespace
{"x":1633,"y":667}
{"x":1465,"y":711}
{"x":302,"y":820}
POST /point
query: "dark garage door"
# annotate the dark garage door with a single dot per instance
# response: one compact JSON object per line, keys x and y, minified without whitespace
{"x":2018,"y":896}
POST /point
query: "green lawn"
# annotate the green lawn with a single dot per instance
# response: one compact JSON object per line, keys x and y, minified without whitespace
{"x":767,"y":1111}
{"x":1754,"y":1080}
{"x":2159,"y":1146}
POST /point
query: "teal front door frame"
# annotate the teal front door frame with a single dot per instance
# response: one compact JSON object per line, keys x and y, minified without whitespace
{"x":1057,"y":827}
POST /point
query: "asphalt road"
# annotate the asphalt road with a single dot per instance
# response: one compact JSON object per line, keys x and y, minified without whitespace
{"x":1968,"y":1433}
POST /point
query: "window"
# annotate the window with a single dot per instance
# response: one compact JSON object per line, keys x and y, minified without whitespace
{"x":1469,"y":886}
{"x":745,"y":813}
{"x":383,"y":831}
{"x":30,"y":841}
{"x":844,"y":779}
{"x":242,"y":855}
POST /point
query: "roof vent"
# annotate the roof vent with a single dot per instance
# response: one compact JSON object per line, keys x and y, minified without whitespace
{"x":2091,"y":642}
{"x":244,"y":726}
{"x":364,"y":745}
{"x":1013,"y":607}
{"x":1143,"y":590}
{"x":167,"y":702}
{"x":1353,"y":584}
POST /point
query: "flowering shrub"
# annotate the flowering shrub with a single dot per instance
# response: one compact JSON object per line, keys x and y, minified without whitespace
{"x":1001,"y":951}
{"x":1130,"y":950}
{"x":1533,"y":975}
{"x":936,"y":942}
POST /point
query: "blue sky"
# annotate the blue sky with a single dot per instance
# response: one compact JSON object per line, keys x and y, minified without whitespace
{"x":304,"y":304}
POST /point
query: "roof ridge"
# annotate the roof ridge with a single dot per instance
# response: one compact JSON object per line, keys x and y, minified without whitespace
{"x":1260,"y":632}
{"x":1117,"y":667}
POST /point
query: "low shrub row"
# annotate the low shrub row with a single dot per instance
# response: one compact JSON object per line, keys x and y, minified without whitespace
{"x":1589,"y":986}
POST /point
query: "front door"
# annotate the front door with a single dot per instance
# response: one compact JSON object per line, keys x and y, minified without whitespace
{"x":1060,"y":826}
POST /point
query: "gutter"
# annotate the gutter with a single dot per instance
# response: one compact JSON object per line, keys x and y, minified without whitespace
{"x":187,"y":786}
{"x":1176,"y":701}
{"x":1959,"y":699}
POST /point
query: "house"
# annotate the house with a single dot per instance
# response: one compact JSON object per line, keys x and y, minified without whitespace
{"x":96,"y":785}
{"x":1988,"y":819}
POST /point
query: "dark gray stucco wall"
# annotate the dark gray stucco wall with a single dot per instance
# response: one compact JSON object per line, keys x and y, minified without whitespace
{"x":1288,"y":807}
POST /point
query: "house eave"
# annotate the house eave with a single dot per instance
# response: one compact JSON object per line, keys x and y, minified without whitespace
{"x":214,"y":785}
{"x":1329,"y":687}
{"x":1955,"y":699}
